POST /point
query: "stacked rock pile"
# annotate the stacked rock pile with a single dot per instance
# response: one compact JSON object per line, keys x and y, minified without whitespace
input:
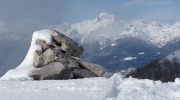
{"x":60,"y":60}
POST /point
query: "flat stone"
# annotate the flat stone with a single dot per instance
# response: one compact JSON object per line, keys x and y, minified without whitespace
{"x":67,"y":44}
{"x":82,"y":73}
{"x":94,"y":68}
{"x":53,"y":70}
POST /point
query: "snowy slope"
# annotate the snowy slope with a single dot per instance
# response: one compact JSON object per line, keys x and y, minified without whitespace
{"x":23,"y":71}
{"x":114,"y":88}
{"x":174,"y":54}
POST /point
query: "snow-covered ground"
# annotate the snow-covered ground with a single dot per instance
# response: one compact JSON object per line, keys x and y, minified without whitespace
{"x":114,"y":88}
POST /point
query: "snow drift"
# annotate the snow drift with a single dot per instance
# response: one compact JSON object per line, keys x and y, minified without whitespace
{"x":23,"y":71}
{"x":114,"y":88}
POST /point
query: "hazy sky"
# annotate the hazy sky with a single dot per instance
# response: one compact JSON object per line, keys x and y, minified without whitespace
{"x":73,"y":11}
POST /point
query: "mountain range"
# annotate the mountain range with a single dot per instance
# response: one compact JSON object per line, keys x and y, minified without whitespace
{"x":118,"y":44}
{"x":112,"y":43}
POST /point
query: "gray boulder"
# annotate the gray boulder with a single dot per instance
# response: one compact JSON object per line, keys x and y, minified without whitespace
{"x":94,"y":68}
{"x":82,"y":73}
{"x":49,"y":56}
{"x":68,"y":62}
{"x":67,"y":44}
{"x":54,"y":70}
{"x":38,"y":59}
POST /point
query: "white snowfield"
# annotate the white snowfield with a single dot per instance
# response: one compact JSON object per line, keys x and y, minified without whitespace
{"x":101,"y":88}
{"x":114,"y":88}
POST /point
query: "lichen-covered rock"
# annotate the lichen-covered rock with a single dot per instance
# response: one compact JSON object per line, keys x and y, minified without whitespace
{"x":38,"y":59}
{"x":82,"y":73}
{"x":67,"y":44}
{"x":94,"y":68}
{"x":54,"y":70}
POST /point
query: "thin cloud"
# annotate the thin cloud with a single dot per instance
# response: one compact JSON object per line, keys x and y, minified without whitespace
{"x":143,"y":3}
{"x":161,"y":10}
{"x":42,"y":10}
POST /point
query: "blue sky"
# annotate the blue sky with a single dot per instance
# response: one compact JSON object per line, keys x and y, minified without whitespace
{"x":73,"y":11}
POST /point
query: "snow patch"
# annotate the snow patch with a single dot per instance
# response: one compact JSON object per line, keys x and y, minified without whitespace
{"x":113,"y":44}
{"x":141,"y":53}
{"x":129,"y":58}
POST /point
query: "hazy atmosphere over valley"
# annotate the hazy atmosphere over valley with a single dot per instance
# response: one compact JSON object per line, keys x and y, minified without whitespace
{"x":137,"y":43}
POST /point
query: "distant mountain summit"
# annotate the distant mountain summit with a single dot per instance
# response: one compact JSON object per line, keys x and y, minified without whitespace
{"x":106,"y":26}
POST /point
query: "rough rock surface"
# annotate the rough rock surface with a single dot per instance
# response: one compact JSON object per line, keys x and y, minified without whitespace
{"x":94,"y":68}
{"x":69,"y":62}
{"x":51,"y":71}
{"x":82,"y":73}
{"x":67,"y":44}
{"x":59,"y":60}
{"x":49,"y":56}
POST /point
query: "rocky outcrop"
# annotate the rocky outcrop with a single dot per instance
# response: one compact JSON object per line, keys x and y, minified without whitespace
{"x":67,"y":44}
{"x":59,"y":60}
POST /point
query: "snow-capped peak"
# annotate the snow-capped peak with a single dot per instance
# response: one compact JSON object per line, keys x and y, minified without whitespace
{"x":106,"y":26}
